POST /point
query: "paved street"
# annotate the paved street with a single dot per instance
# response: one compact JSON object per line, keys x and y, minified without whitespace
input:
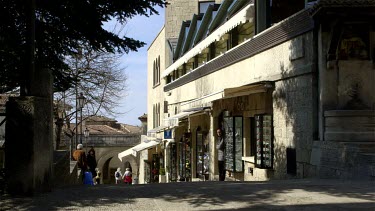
{"x":275,"y":195}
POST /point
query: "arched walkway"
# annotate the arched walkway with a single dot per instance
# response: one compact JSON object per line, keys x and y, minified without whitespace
{"x":108,"y":162}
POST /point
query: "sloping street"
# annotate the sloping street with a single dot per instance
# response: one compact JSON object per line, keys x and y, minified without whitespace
{"x":275,"y":195}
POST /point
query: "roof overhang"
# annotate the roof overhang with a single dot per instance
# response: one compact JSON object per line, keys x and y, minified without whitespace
{"x":245,"y":90}
{"x":154,"y":131}
{"x":246,"y":14}
{"x":146,"y":143}
{"x":173,"y":121}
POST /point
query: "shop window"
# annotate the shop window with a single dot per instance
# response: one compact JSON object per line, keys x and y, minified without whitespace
{"x":184,"y":158}
{"x":147,"y":170}
{"x":155,"y":165}
{"x":252,"y":137}
{"x":233,"y":134}
{"x":202,"y":155}
{"x":173,"y":162}
{"x":264,"y":143}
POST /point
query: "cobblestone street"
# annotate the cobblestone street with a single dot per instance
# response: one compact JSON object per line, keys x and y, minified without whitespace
{"x":275,"y":195}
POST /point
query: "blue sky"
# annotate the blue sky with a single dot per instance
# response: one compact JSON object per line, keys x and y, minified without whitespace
{"x":135,"y":103}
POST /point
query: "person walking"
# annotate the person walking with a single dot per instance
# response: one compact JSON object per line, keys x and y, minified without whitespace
{"x":220,"y":146}
{"x":80,"y":156}
{"x":118,"y":175}
{"x":91,"y":161}
{"x":128,"y":176}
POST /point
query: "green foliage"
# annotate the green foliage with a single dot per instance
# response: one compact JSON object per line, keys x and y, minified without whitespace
{"x":61,"y":27}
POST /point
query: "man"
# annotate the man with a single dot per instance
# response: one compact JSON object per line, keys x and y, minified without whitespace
{"x":220,"y":146}
{"x":80,"y":156}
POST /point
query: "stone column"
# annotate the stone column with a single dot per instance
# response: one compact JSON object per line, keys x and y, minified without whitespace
{"x":29,"y":139}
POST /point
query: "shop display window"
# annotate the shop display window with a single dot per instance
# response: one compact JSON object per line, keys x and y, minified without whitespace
{"x":173,"y":162}
{"x":155,"y":165}
{"x":184,"y":158}
{"x":233,"y":134}
{"x":147,"y":170}
{"x":264,"y":143}
{"x":202,"y":156}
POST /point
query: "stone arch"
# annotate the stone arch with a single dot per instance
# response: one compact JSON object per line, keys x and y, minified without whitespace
{"x":113,"y":154}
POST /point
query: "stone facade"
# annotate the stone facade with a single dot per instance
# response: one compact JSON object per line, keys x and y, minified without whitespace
{"x":297,"y":79}
{"x":176,"y":12}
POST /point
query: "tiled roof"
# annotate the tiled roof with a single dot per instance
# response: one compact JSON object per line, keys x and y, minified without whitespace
{"x":100,"y":119}
{"x":104,"y":130}
{"x":131,"y":128}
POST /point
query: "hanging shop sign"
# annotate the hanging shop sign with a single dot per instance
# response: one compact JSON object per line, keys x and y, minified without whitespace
{"x":168,"y":134}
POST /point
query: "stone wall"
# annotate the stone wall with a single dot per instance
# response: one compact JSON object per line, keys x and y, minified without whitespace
{"x":155,"y":94}
{"x":294,"y":116}
{"x":176,"y":12}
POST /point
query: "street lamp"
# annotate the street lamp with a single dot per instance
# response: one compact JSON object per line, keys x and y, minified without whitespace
{"x":86,"y":133}
{"x":80,"y":102}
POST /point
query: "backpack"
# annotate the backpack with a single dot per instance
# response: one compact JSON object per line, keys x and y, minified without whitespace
{"x":117,"y":174}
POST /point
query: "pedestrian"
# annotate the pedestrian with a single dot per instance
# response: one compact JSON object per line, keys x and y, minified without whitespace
{"x":88,"y":180}
{"x":118,"y":175}
{"x":127,"y":176}
{"x":220,"y":146}
{"x":80,"y":156}
{"x":91,"y":161}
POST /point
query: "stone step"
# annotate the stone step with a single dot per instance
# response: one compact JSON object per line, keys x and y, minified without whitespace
{"x":363,"y":147}
{"x":349,"y":128}
{"x":349,"y":121}
{"x":367,"y":158}
{"x":349,"y":136}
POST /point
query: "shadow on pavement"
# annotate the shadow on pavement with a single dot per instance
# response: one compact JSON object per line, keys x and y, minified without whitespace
{"x":275,"y":195}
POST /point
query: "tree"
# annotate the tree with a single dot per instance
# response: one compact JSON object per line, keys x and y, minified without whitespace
{"x":61,"y":27}
{"x":101,"y":79}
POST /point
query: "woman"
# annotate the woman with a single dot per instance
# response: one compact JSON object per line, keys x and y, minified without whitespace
{"x":127,"y":176}
{"x":91,"y":161}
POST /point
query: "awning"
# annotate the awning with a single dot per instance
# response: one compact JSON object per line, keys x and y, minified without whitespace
{"x":152,"y":132}
{"x":125,"y":153}
{"x":146,"y":143}
{"x":174,"y":120}
{"x":202,"y":101}
{"x":144,"y":146}
{"x":247,"y":13}
{"x":245,"y":90}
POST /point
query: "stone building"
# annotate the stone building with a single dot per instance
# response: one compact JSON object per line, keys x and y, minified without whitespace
{"x":289,"y":82}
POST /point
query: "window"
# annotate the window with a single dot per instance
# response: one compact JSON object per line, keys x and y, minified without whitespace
{"x":202,"y":155}
{"x":156,"y":71}
{"x":233,"y":133}
{"x":203,"y":6}
{"x":156,"y":115}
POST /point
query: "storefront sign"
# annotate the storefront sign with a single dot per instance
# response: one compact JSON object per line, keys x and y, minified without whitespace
{"x":167,"y":134}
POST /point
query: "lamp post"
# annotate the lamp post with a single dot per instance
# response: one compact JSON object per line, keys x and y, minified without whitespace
{"x":87,"y":134}
{"x":80,"y":102}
